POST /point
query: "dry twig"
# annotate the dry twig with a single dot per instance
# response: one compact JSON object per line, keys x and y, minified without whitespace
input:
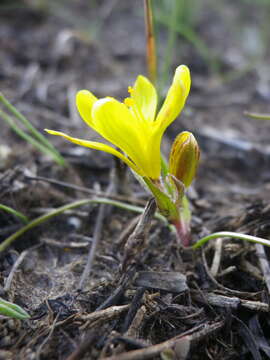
{"x":264,"y":264}
{"x":217,"y":257}
{"x":86,"y":190}
{"x":137,"y":240}
{"x":16,"y":266}
{"x":96,"y":238}
{"x":222,"y":287}
{"x":127,"y":231}
{"x":179,"y":344}
{"x":106,"y":314}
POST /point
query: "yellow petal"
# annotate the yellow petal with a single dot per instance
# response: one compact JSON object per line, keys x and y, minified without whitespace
{"x":97,"y":146}
{"x":152,"y":157}
{"x":116,"y":124}
{"x":85,"y":101}
{"x":176,"y":97}
{"x":145,"y":96}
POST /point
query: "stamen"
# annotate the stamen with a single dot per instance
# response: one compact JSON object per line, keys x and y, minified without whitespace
{"x":130,"y":89}
{"x":129,"y":102}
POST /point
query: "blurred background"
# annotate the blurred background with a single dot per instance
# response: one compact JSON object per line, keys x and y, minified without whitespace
{"x":49,"y":49}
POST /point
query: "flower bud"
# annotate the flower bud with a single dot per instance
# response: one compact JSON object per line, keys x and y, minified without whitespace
{"x":184,"y":158}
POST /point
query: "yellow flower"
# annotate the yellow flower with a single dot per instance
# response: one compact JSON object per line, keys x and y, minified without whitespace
{"x":133,"y":126}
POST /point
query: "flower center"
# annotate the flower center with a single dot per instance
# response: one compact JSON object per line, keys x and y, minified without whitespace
{"x":131,"y":104}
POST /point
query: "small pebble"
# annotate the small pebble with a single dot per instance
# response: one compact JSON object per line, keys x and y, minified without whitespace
{"x":6,"y":340}
{"x":74,"y":222}
{"x":11,"y":324}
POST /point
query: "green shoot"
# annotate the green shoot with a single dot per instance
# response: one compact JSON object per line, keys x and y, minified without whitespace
{"x":12,"y":310}
{"x":17,"y":213}
{"x":43,"y":218}
{"x":233,"y":235}
{"x":36,"y":138}
{"x":257,"y":115}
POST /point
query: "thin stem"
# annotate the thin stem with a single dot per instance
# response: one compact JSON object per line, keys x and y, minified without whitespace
{"x":96,"y":238}
{"x":183,"y":232}
{"x":14,"y":269}
{"x":151,"y":57}
{"x":257,"y":115}
{"x":7,"y":242}
{"x":86,"y":190}
{"x":19,"y":215}
{"x":29,"y":138}
{"x":164,"y":166}
{"x":233,"y":235}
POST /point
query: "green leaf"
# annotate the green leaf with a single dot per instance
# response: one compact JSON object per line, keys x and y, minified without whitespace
{"x":258,"y":116}
{"x":21,"y":216}
{"x":164,"y":203}
{"x":12,"y":310}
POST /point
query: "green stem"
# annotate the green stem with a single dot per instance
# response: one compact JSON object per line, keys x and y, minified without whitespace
{"x":233,"y":235}
{"x":29,"y":138}
{"x":8,"y":209}
{"x":164,"y":166}
{"x":258,"y":116}
{"x":7,"y":242}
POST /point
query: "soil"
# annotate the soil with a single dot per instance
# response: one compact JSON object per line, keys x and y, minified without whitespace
{"x":205,"y":304}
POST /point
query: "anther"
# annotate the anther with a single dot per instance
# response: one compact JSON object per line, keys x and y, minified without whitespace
{"x":129,"y":102}
{"x":130,"y":89}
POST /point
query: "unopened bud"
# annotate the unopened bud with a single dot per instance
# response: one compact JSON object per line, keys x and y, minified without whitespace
{"x":184,"y":158}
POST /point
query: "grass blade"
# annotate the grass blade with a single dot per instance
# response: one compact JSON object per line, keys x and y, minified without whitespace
{"x":233,"y":235}
{"x":18,"y":214}
{"x":36,"y":135}
{"x":58,"y":159}
{"x":41,"y":219}
{"x":12,"y":310}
